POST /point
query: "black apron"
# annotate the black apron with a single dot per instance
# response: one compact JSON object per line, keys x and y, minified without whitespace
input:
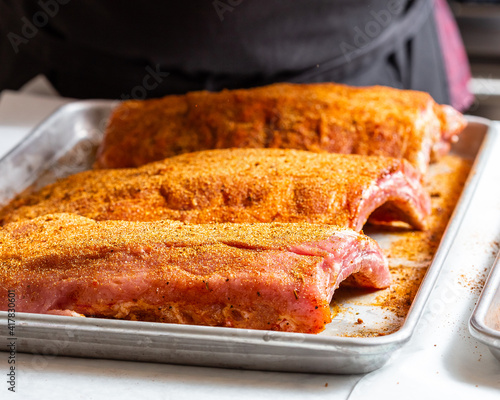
{"x":126,"y":49}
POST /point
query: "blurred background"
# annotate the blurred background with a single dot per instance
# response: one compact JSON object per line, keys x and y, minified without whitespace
{"x":479,"y":24}
{"x":109,"y":58}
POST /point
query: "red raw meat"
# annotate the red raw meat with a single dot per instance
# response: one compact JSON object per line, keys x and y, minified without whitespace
{"x":259,"y":276}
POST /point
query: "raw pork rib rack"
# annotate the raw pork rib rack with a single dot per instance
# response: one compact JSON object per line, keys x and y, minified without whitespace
{"x":256,"y":276}
{"x":241,"y":185}
{"x":324,"y":117}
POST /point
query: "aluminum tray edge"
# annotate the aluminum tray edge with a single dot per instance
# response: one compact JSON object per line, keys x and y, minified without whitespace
{"x":490,"y":295}
{"x":226,"y":347}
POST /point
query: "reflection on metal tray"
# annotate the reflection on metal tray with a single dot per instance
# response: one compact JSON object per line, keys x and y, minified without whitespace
{"x":484,"y":323}
{"x":65,"y":143}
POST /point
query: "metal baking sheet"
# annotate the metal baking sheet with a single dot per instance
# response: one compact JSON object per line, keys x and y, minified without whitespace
{"x":484,"y":323}
{"x":65,"y":143}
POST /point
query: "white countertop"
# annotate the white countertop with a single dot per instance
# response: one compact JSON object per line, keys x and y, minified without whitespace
{"x":442,"y":360}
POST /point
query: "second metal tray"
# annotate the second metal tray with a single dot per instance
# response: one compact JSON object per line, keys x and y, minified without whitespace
{"x":484,"y":323}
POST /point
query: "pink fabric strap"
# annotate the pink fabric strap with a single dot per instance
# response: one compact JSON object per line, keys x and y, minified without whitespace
{"x":455,"y":57}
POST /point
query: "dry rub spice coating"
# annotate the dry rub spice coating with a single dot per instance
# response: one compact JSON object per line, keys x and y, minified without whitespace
{"x":324,"y":117}
{"x":256,"y":276}
{"x":240,"y":185}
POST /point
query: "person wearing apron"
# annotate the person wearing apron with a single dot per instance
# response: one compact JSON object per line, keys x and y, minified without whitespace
{"x":123,"y":49}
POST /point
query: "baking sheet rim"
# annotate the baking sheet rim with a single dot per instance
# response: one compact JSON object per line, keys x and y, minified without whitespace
{"x":477,"y":324}
{"x":285,"y":339}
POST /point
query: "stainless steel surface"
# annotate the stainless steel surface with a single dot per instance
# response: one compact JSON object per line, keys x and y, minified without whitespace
{"x":484,"y":323}
{"x":75,"y":128}
{"x":486,"y":89}
{"x":65,"y":143}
